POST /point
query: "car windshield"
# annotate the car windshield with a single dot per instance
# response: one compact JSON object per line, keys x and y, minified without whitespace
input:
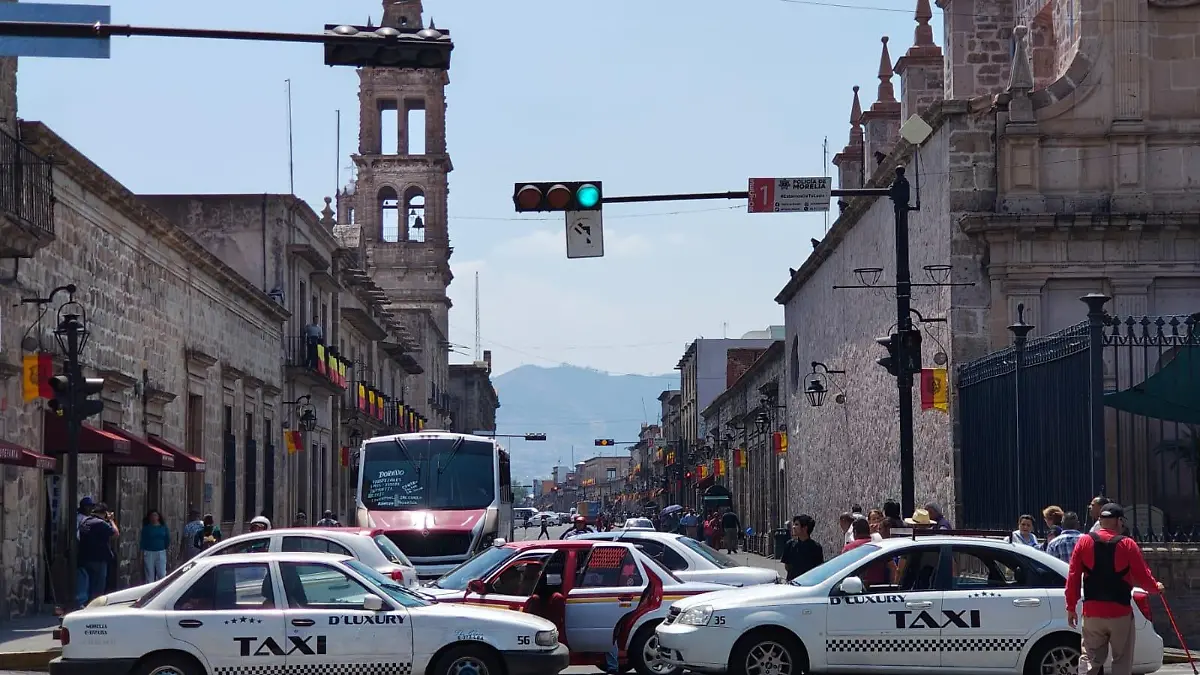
{"x":821,"y":573}
{"x":391,"y":551}
{"x":428,"y":473}
{"x":162,"y":585}
{"x":400,"y":594}
{"x":475,"y":568}
{"x":709,"y":553}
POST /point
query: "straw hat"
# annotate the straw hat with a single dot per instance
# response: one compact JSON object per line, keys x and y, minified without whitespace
{"x":919,"y":517}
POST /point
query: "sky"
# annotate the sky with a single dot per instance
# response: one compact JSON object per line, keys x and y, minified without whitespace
{"x":649,"y":97}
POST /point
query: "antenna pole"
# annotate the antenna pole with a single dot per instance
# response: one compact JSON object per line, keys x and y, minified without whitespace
{"x":478,"y":343}
{"x":337,"y":160}
{"x":291,"y":145}
{"x":825,"y":171}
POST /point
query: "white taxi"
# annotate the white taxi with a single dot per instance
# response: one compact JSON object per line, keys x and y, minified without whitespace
{"x":931,"y":603}
{"x":299,"y":613}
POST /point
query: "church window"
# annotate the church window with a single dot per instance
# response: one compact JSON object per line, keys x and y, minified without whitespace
{"x":414,"y":207}
{"x":389,"y":127}
{"x":414,"y":118}
{"x":389,"y":217}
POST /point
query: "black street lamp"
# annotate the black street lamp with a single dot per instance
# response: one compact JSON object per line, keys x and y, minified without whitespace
{"x":761,"y":421}
{"x":307,"y":413}
{"x":355,"y":438}
{"x":817,"y":390}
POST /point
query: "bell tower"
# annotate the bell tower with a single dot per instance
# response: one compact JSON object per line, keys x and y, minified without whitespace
{"x":398,"y":198}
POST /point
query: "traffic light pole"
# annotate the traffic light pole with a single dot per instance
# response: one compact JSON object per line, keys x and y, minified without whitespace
{"x":71,"y":475}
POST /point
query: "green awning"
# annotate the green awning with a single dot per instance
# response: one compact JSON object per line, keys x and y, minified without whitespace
{"x":1172,"y":394}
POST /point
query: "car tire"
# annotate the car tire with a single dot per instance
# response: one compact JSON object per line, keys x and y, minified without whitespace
{"x":776,"y":644}
{"x":483,"y":659}
{"x":643,"y":653}
{"x":168,"y":664}
{"x":1060,"y":650}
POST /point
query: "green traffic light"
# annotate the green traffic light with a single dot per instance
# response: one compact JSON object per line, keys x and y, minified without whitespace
{"x":587,"y":196}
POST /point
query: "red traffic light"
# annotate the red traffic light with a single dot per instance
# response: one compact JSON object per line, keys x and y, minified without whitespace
{"x":558,"y":197}
{"x":528,"y":198}
{"x":687,"y":475}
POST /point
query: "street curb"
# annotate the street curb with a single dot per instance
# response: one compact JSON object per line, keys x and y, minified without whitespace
{"x":28,"y":660}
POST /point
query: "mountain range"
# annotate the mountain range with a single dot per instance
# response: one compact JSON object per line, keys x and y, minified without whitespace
{"x":573,"y":406}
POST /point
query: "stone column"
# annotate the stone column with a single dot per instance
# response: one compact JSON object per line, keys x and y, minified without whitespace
{"x":921,"y":69}
{"x":882,"y":122}
{"x":849,"y":161}
{"x":977,"y":45}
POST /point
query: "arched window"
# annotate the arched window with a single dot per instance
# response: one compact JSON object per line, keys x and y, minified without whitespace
{"x":350,"y":214}
{"x":389,"y":217}
{"x":414,"y":207}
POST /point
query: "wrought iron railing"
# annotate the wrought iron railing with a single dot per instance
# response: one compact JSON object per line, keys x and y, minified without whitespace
{"x":26,"y":184}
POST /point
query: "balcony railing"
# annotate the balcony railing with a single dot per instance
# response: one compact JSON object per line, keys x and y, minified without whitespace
{"x":318,"y":361}
{"x":26,"y":185}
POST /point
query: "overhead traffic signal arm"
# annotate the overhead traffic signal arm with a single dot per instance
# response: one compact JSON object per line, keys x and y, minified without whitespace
{"x":605,"y":442}
{"x":558,"y":196}
{"x":385,"y":47}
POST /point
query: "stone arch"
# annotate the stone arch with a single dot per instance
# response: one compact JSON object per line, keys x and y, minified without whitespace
{"x":1068,"y":89}
{"x":414,"y":213}
{"x":388,"y":205}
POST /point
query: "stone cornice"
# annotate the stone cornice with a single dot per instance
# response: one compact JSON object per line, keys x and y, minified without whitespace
{"x":251,"y":382}
{"x":160,"y":396}
{"x":857,"y":207}
{"x":1105,"y":225}
{"x":232,"y":373}
{"x":41,"y":139}
{"x":115,"y":379}
{"x":270,"y":391}
{"x":199,"y":360}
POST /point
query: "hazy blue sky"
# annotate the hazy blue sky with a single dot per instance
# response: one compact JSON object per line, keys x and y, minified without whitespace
{"x":659,"y":96}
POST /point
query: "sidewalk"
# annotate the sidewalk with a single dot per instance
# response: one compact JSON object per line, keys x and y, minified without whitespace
{"x":755,"y":560}
{"x":28,"y":643}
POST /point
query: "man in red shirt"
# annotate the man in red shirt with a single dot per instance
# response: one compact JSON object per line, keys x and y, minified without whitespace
{"x":1107,"y":566}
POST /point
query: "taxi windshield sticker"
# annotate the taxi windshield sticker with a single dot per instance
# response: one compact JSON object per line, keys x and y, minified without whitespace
{"x":607,"y":558}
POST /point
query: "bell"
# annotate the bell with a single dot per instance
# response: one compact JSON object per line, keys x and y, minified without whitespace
{"x":418,"y":224}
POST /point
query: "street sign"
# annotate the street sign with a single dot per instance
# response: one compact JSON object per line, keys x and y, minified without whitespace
{"x":789,"y":195}
{"x":585,"y":234}
{"x":72,"y":48}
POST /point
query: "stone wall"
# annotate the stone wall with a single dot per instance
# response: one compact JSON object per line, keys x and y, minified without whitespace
{"x":1178,"y":568}
{"x":153,"y":297}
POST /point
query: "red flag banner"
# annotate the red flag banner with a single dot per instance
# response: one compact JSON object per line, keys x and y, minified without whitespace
{"x":345,"y":456}
{"x":780,"y":443}
{"x":934,"y":394}
{"x":739,"y":458}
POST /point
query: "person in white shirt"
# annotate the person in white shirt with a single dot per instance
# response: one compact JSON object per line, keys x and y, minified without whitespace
{"x":1024,"y":532}
{"x":1094,"y":510}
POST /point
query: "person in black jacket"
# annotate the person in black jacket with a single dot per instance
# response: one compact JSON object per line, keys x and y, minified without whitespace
{"x":801,"y":553}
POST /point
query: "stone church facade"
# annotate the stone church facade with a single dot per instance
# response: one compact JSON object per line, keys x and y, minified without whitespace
{"x":1062,"y":162}
{"x":397,"y":204}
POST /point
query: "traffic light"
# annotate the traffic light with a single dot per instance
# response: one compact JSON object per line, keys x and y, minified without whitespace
{"x":61,"y":403}
{"x":912,"y":350}
{"x":605,"y":442}
{"x":85,"y":406}
{"x":891,"y":343}
{"x":581,"y":196}
{"x":535,"y":437}
{"x":688,"y":475}
{"x":370,"y":46}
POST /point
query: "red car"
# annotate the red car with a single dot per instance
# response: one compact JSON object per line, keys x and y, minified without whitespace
{"x":598,"y":593}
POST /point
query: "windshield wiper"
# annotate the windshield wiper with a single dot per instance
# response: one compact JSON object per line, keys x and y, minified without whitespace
{"x":458,"y":443}
{"x":407,"y":457}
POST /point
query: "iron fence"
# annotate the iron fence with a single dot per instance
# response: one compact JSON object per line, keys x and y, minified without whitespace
{"x":1090,"y":409}
{"x":26,"y":185}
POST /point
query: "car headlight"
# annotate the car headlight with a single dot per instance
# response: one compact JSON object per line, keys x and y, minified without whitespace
{"x":546,"y":638}
{"x":696,"y":616}
{"x":99,"y":602}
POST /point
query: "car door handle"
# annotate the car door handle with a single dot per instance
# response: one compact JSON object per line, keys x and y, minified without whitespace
{"x":1027,"y":602}
{"x":918,"y":605}
{"x":303,"y":622}
{"x":190,"y":623}
{"x":625,"y":598}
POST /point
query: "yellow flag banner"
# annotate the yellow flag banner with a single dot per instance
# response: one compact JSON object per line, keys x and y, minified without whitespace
{"x":291,"y":440}
{"x":935,"y":389}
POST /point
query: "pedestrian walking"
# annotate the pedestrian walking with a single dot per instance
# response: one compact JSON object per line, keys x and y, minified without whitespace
{"x":209,"y":534}
{"x":327,"y":520}
{"x":801,"y":553}
{"x":187,"y":542}
{"x":82,"y":513}
{"x":301,"y":520}
{"x":1094,"y":508}
{"x":545,"y":527}
{"x":1107,"y":565}
{"x":1053,"y":517}
{"x":154,"y":539}
{"x":690,"y":523}
{"x":731,"y":525}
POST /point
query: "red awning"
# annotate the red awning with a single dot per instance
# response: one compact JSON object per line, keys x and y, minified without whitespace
{"x":183,"y":461}
{"x":92,"y":441}
{"x":15,"y":455}
{"x":141,"y":452}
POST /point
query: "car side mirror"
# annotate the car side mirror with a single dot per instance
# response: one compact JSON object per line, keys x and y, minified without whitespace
{"x":851,"y":586}
{"x":373,"y":603}
{"x":477,"y":586}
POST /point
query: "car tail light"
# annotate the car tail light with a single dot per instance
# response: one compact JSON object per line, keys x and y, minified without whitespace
{"x":1142,"y":600}
{"x":397,"y":575}
{"x":64,"y":636}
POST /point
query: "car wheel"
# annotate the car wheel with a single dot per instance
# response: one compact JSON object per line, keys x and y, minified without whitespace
{"x":768,"y":652}
{"x":168,"y":664}
{"x":643,"y":654}
{"x":467,"y":660}
{"x":1054,"y":655}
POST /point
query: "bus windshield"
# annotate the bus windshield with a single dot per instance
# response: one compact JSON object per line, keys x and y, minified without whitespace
{"x":432,"y":472}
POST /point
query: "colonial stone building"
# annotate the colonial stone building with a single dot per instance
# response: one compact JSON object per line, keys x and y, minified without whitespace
{"x":288,"y":251}
{"x":473,"y":399}
{"x":188,"y":348}
{"x":399,"y":202}
{"x":741,"y":423}
{"x":1060,"y":163}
